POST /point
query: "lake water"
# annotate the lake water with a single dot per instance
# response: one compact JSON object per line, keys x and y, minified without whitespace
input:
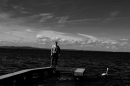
{"x":94,"y":62}
{"x":71,"y":81}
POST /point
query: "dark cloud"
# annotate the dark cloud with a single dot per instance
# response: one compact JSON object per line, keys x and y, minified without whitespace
{"x":3,"y":3}
{"x":66,"y":13}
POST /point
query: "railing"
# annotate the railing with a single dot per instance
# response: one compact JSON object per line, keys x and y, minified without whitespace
{"x":26,"y":77}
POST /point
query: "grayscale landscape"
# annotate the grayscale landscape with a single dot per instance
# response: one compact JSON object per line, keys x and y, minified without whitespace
{"x":92,"y":34}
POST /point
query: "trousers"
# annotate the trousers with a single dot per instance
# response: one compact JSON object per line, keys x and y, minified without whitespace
{"x":54,"y":59}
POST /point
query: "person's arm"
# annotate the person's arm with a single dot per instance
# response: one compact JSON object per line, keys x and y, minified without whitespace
{"x":51,"y":50}
{"x":59,"y":50}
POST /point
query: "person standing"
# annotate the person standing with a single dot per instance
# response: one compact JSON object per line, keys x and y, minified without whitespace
{"x":55,"y":52}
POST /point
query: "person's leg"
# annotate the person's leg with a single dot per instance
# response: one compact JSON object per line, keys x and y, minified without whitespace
{"x":52,"y":60}
{"x":56,"y":60}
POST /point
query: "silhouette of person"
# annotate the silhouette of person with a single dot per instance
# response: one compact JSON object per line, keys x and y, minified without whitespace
{"x":55,"y":52}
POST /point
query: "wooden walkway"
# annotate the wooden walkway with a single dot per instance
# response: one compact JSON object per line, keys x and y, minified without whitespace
{"x":20,"y":72}
{"x":26,"y":77}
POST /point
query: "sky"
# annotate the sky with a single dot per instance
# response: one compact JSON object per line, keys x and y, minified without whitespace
{"x":102,"y":25}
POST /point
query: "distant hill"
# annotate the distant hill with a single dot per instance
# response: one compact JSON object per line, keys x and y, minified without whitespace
{"x":21,"y":47}
{"x":25,"y":48}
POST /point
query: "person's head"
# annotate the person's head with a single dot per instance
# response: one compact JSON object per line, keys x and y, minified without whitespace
{"x":56,"y":42}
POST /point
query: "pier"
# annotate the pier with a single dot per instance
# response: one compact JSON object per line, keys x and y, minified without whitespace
{"x":30,"y":76}
{"x":25,"y":77}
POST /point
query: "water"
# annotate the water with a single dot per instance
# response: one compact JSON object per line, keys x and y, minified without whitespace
{"x":94,"y":62}
{"x":71,"y":81}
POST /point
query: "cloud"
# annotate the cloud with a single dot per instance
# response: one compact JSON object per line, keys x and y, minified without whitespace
{"x":79,"y":40}
{"x":51,"y":36}
{"x":20,"y":29}
{"x":3,"y":16}
{"x":45,"y":17}
{"x":11,"y":20}
{"x":39,"y":18}
{"x":19,"y":8}
{"x":114,"y":13}
{"x":88,"y":36}
{"x":15,"y":30}
{"x":12,"y":17}
{"x":112,"y":16}
{"x":63,"y":20}
{"x":55,"y":34}
{"x":3,"y":2}
{"x":22,"y":34}
{"x":83,"y":20}
{"x":65,"y":39}
{"x":7,"y":18}
{"x":17,"y":38}
{"x":103,"y":42}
